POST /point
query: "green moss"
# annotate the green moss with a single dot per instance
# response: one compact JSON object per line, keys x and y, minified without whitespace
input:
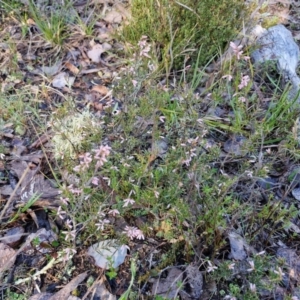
{"x":181,"y":28}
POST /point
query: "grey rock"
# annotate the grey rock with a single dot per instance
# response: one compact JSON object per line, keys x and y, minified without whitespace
{"x":277,"y":44}
{"x":296,"y":193}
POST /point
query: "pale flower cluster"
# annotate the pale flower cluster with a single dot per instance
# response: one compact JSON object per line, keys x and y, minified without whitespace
{"x":134,"y":232}
{"x":100,"y":156}
{"x":144,"y":46}
{"x":238,"y":52}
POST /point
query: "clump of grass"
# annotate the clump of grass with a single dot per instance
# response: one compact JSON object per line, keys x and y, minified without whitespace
{"x":52,"y":27}
{"x":180,"y":28}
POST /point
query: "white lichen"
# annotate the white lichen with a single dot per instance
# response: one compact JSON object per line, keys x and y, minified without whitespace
{"x":72,"y":132}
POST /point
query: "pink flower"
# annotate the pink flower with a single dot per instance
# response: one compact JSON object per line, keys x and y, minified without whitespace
{"x":102,"y":151}
{"x":236,"y":50}
{"x":211,"y":268}
{"x":86,"y":159}
{"x":244,"y":82}
{"x":70,"y":235}
{"x":114,"y":212}
{"x":162,"y":119}
{"x":69,"y":224}
{"x":65,"y":201}
{"x":101,"y":224}
{"x":77,"y":168}
{"x":134,"y":232}
{"x":101,"y":154}
{"x":95,"y":181}
{"x":127,"y":202}
{"x":60,"y":213}
{"x":75,"y":191}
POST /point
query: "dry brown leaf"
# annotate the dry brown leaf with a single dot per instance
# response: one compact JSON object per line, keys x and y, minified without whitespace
{"x":10,"y":258}
{"x":32,"y":183}
{"x":72,"y":68}
{"x":98,"y":106}
{"x":101,"y":89}
{"x":6,"y":253}
{"x":30,"y":22}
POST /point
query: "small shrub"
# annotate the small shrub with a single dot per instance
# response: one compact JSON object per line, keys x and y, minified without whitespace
{"x":180,"y":28}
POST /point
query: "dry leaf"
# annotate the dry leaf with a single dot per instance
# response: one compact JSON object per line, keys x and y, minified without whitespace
{"x":101,"y":291}
{"x":50,"y":71}
{"x":72,"y":68}
{"x":292,"y":262}
{"x":95,"y":53}
{"x":41,"y":296}
{"x":64,"y":293}
{"x":30,"y":22}
{"x":62,"y":79}
{"x":6,"y":253}
{"x":108,"y":254}
{"x":101,"y":89}
{"x":123,"y":11}
{"x":168,"y":287}
{"x":238,"y":246}
{"x":195,"y":280}
{"x":113,"y":17}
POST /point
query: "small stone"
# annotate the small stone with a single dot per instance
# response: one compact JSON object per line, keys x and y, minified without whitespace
{"x":235,"y":145}
{"x":296,"y":193}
